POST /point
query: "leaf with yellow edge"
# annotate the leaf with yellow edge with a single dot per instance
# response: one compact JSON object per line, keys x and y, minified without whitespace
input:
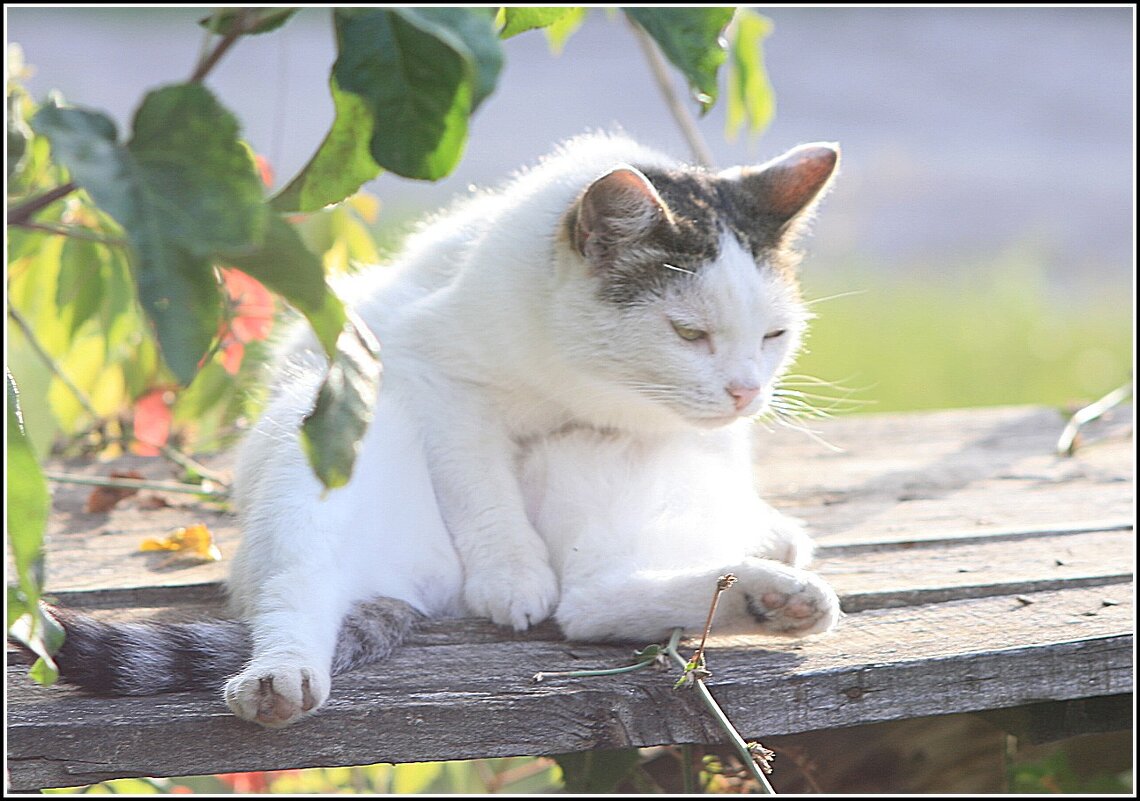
{"x":194,"y":541}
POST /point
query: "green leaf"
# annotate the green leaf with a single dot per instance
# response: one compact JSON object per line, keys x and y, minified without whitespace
{"x":331,"y":433}
{"x":558,"y":32}
{"x":79,"y":292}
{"x":404,"y":83}
{"x":750,"y":95}
{"x":285,"y":266}
{"x":519,"y":20}
{"x":28,"y":504}
{"x":341,"y":165}
{"x":28,"y":498}
{"x":183,"y":188}
{"x":421,"y":73}
{"x":691,"y":39}
{"x":596,"y":771}
{"x":258,"y":20}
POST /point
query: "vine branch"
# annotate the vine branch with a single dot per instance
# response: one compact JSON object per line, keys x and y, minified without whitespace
{"x":21,"y":214}
{"x":677,"y":108}
{"x":237,"y":29}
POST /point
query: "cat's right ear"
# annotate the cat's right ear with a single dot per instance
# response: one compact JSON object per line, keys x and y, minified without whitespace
{"x":617,"y":209}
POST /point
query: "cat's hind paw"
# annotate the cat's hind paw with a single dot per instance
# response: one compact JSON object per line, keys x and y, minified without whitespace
{"x":519,"y":594}
{"x":277,"y":696}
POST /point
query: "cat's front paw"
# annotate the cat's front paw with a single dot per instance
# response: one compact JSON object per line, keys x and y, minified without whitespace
{"x":788,"y":601}
{"x":277,"y":696}
{"x":519,"y":593}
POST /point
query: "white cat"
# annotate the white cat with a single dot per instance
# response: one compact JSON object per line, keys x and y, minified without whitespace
{"x":570,"y":368}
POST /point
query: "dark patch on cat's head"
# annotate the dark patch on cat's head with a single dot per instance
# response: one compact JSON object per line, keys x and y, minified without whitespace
{"x":643,"y":230}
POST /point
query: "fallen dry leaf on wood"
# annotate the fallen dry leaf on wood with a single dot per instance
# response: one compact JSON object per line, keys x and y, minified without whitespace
{"x":104,"y":499}
{"x":195,"y":542}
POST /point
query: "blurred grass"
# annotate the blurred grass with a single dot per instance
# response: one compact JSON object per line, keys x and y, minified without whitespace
{"x":988,"y":334}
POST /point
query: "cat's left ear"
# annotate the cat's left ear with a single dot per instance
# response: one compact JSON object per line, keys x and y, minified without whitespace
{"x":788,"y":186}
{"x":616,"y":211}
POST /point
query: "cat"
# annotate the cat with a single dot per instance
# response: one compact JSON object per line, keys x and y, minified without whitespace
{"x":572,"y":365}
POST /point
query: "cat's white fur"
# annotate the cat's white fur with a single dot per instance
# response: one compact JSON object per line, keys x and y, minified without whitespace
{"x":533,"y":452}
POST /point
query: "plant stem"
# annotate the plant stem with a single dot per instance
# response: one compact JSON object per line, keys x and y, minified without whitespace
{"x":681,"y":115}
{"x":1067,"y":444}
{"x":24,"y":212}
{"x":52,"y":364}
{"x":132,"y":484}
{"x":722,"y":584}
{"x":73,"y":233}
{"x":187,"y":463}
{"x":722,"y":719}
{"x":688,"y":785}
{"x":210,"y":61}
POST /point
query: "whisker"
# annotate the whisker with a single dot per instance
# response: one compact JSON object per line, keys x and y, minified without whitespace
{"x":836,"y":296}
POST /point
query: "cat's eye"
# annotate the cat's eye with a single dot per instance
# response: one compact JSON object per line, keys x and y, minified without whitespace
{"x":779,"y":332}
{"x":689,"y":334}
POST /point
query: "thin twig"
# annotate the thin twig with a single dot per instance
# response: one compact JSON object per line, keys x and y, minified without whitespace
{"x":134,"y":484}
{"x":1067,"y":444}
{"x":189,"y":464}
{"x":722,"y":584}
{"x":74,"y":233}
{"x":237,"y":29}
{"x":51,"y":363}
{"x":677,"y":108}
{"x":26,"y":210}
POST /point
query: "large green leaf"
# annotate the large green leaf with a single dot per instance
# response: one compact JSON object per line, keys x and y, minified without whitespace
{"x":332,"y":432}
{"x":421,"y":72}
{"x":750,"y":96}
{"x":183,"y":188}
{"x":691,"y":38}
{"x":404,"y":84}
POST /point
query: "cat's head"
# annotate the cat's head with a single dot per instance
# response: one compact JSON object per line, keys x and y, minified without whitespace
{"x":694,"y":304}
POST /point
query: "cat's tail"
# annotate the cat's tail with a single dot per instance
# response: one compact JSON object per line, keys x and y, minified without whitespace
{"x":148,"y":657}
{"x":154,"y":657}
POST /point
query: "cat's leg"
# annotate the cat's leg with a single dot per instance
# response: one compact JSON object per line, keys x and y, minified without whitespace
{"x":768,"y":597}
{"x":507,"y":572}
{"x":309,"y":555}
{"x":294,"y":636}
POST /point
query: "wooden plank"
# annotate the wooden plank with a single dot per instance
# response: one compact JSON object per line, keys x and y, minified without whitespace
{"x":926,"y":571}
{"x":456,"y":700}
{"x":968,"y":508}
{"x":901,"y":477}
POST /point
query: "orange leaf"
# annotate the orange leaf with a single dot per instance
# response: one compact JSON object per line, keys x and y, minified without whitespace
{"x":151,"y":423}
{"x":193,"y":541}
{"x":252,"y":305}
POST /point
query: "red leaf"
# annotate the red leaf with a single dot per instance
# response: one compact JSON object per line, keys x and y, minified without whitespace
{"x":252,"y":306}
{"x":152,"y":423}
{"x":264,"y":168}
{"x":232,"y":354}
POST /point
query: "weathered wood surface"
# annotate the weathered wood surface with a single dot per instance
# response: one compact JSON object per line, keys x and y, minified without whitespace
{"x":978,"y":571}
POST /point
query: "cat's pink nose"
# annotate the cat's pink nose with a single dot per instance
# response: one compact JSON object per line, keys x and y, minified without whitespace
{"x":742,"y":396}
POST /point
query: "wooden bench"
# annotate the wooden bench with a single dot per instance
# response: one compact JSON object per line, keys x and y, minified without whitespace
{"x":979,"y":570}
